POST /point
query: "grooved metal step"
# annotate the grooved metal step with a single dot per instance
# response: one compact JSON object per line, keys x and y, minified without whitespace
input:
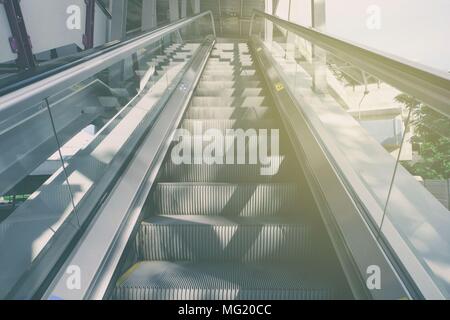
{"x":223,"y":125}
{"x":229,"y":113}
{"x":239,"y":72}
{"x":278,"y":170}
{"x":203,"y":84}
{"x":203,"y":238}
{"x":228,"y":92}
{"x":227,"y":77}
{"x":236,"y":68}
{"x":230,"y":102}
{"x":234,"y":146}
{"x":245,"y":200}
{"x":229,"y":228}
{"x":158,"y":280}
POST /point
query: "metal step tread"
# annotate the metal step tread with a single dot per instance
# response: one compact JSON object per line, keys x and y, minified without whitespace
{"x":163,"y":280}
{"x":215,"y":238}
{"x":227,"y":84}
{"x":224,"y":124}
{"x":278,"y":170}
{"x":225,"y":113}
{"x":228,"y":92}
{"x":227,"y":77}
{"x":229,"y":199}
{"x":230,"y":101}
{"x":209,"y":221}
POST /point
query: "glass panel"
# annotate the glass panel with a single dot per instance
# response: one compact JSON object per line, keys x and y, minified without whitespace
{"x":358,"y":112}
{"x":100,"y":120}
{"x":92,"y":127}
{"x":28,"y":159}
{"x":418,"y":206}
{"x":32,"y":205}
{"x":398,"y":146}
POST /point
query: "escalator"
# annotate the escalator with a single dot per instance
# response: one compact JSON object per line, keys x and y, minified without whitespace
{"x":179,"y":166}
{"x":217,"y":230}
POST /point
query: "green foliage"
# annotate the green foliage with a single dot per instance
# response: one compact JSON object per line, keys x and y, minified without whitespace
{"x":431,"y":139}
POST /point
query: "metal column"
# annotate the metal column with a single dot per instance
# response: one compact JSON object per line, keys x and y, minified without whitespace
{"x":118,"y":32}
{"x":183,"y":12}
{"x":318,"y":16}
{"x":195,"y":6}
{"x":118,"y":27}
{"x":268,"y":24}
{"x":149,"y":15}
{"x":319,"y":59}
{"x":174,"y":12}
{"x":20,"y":41}
{"x":88,"y":37}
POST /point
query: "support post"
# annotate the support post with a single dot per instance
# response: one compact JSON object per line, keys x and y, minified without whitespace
{"x":149,"y":15}
{"x":118,"y":31}
{"x":20,"y":41}
{"x":183,"y":12}
{"x":118,"y":27}
{"x":319,"y":59}
{"x":268,"y":25}
{"x":195,"y":6}
{"x":174,"y":12}
{"x":88,"y":37}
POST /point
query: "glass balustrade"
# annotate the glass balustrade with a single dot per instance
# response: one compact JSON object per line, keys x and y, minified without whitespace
{"x":397,"y":146}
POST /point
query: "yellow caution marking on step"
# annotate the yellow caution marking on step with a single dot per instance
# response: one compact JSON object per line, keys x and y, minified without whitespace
{"x":127,"y":274}
{"x":279,"y":86}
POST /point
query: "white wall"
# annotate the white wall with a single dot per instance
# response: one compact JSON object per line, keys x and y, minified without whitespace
{"x":45,"y":21}
{"x":417,"y":30}
{"x":301,"y":12}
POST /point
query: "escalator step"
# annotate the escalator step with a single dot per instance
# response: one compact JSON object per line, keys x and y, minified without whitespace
{"x":227,"y":77}
{"x":226,"y":199}
{"x":229,"y":113}
{"x":224,"y":124}
{"x":207,"y":238}
{"x":235,"y":68}
{"x":278,"y":170}
{"x":228,"y":72}
{"x":188,"y":149}
{"x":158,"y":280}
{"x":230,"y":101}
{"x":215,"y":230}
{"x":228,"y":92}
{"x":228,"y":84}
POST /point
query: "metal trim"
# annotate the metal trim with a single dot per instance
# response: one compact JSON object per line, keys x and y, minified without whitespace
{"x":88,"y":37}
{"x":20,"y":41}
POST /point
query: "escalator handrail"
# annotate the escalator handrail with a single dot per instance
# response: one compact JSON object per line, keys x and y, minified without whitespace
{"x":57,"y":79}
{"x":428,"y":85}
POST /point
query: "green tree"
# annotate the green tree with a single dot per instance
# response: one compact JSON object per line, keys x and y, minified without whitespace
{"x":431,"y":140}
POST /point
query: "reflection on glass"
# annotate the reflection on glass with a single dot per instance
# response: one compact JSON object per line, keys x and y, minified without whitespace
{"x":358,"y":110}
{"x":93,"y":128}
{"x":430,"y":142}
{"x":419,"y":198}
{"x":29,"y":157}
{"x":398,"y":146}
{"x":110,"y":111}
